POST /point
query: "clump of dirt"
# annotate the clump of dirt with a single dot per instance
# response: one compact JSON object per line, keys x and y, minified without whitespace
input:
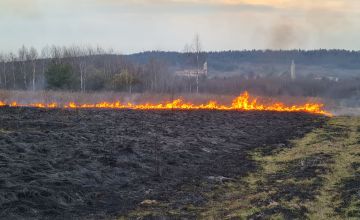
{"x":102,"y":163}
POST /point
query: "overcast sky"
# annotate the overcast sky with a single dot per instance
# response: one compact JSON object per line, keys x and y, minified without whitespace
{"x":137,"y":25}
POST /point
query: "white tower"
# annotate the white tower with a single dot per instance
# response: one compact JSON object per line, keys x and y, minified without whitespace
{"x":293,"y":70}
{"x":206,"y":68}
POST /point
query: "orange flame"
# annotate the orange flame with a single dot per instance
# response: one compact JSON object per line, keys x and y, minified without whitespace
{"x":244,"y":102}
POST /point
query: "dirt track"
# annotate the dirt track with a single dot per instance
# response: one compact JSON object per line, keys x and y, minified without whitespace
{"x":102,"y":163}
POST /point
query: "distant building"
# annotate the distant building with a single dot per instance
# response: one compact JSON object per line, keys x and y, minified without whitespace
{"x":293,"y":70}
{"x":328,"y":78}
{"x":194,"y":72}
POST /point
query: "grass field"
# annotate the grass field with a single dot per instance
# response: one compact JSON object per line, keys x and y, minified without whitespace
{"x":317,"y":177}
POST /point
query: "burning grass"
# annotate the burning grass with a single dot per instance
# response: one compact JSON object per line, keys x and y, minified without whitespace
{"x":244,"y":102}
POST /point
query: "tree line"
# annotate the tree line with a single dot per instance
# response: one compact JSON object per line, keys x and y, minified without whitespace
{"x":228,"y":60}
{"x":79,"y":68}
{"x":86,"y":68}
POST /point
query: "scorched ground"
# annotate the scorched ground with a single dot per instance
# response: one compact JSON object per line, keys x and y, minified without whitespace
{"x":61,"y":163}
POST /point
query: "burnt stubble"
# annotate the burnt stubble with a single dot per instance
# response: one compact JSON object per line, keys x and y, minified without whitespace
{"x":102,"y":163}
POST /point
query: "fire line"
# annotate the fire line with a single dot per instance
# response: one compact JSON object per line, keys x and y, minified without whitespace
{"x":244,"y":102}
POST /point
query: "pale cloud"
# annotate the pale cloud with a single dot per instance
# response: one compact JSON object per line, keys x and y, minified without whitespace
{"x":135,"y":25}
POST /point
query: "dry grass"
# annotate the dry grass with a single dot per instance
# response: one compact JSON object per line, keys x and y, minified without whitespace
{"x":78,"y":97}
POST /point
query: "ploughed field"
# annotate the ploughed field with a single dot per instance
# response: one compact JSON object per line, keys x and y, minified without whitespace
{"x":109,"y":163}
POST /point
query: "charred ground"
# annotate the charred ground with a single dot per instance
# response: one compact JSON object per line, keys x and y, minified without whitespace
{"x":104,"y":163}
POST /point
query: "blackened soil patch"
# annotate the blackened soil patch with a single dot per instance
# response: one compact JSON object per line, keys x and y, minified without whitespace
{"x":102,"y":163}
{"x":350,"y":194}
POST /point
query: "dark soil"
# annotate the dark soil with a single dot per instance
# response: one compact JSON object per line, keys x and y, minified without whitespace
{"x":350,"y":192}
{"x":65,"y":164}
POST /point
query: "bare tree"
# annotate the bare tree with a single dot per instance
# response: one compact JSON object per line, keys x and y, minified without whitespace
{"x":81,"y":54}
{"x":56,"y":54}
{"x":90,"y":54}
{"x":12,"y":59}
{"x":194,"y":51}
{"x":154,"y":73}
{"x":32,"y":57}
{"x":4,"y":71}
{"x":197,"y":51}
{"x":129,"y":80}
{"x":45,"y":55}
{"x":22,"y":57}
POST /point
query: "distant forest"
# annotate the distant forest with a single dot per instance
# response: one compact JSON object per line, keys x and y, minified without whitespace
{"x":223,"y":60}
{"x":85,"y":69}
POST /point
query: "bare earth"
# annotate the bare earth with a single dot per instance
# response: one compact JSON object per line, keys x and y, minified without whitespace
{"x":66,"y":164}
